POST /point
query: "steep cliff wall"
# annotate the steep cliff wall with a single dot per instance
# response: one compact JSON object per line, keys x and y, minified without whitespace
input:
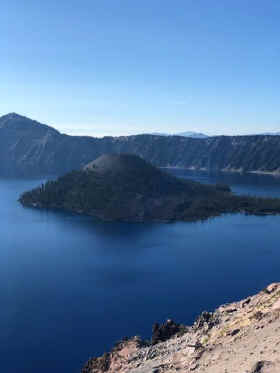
{"x":28,"y":148}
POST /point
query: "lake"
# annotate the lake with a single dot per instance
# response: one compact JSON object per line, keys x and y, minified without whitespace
{"x":70,"y":287}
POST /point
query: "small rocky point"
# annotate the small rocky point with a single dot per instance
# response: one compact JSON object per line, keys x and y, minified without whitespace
{"x":241,"y":337}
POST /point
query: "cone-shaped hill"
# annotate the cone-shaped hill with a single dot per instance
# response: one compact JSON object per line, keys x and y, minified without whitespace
{"x":125,"y":187}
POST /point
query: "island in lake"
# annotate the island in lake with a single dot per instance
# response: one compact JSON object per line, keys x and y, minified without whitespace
{"x":124,"y":187}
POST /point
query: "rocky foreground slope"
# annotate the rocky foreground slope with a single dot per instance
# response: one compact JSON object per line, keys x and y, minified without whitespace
{"x":241,"y":337}
{"x":29,"y":148}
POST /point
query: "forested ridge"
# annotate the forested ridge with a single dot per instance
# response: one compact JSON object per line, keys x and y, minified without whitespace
{"x":127,"y":188}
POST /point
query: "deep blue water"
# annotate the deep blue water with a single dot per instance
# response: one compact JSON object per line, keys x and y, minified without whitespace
{"x":70,"y":287}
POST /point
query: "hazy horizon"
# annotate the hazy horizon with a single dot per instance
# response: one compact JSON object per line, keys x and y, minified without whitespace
{"x":95,"y":132}
{"x":120,"y":67}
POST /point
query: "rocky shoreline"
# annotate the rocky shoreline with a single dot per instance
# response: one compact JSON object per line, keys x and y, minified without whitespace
{"x":241,"y":337}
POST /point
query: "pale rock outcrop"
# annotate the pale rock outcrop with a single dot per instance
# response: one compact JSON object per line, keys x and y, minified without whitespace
{"x":241,"y":337}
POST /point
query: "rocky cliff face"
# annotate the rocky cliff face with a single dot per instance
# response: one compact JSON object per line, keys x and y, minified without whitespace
{"x":28,"y":148}
{"x":241,"y":337}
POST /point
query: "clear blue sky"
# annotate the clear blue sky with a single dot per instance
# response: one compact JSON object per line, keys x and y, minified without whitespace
{"x":126,"y":66}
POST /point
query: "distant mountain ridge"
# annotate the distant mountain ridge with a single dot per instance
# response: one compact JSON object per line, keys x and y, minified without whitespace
{"x":32,"y":149}
{"x":269,"y":134}
{"x":194,"y":135}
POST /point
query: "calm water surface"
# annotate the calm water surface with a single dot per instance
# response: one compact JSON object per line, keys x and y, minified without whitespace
{"x":71,"y":287}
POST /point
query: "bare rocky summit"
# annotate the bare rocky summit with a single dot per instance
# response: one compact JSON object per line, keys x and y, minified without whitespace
{"x":241,"y":337}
